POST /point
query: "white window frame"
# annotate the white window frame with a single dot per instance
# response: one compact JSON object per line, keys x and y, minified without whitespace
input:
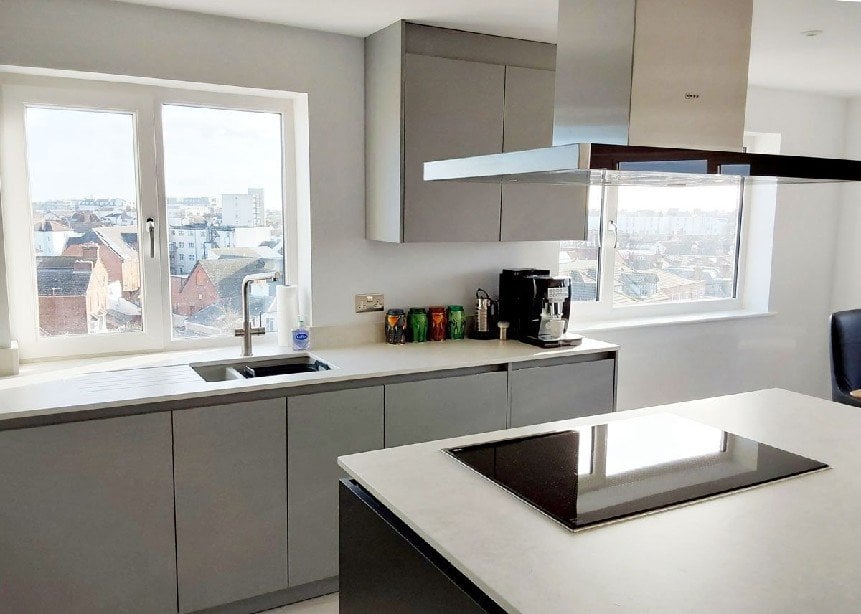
{"x":601,"y":311}
{"x":145,"y":103}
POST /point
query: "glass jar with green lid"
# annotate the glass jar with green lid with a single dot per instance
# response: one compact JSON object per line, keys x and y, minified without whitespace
{"x":456,"y":322}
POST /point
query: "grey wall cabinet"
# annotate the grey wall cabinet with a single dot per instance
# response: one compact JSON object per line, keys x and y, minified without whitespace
{"x":231,"y":502}
{"x":321,"y":427}
{"x":452,"y":109}
{"x":434,"y":93}
{"x":528,"y":108}
{"x":86,"y":517}
{"x":536,"y":211}
{"x":543,"y":394}
{"x":440,"y":408}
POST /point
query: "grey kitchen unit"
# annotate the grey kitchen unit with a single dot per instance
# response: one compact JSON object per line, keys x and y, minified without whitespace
{"x":439,"y":408}
{"x":231,"y":502}
{"x":320,"y":428}
{"x":86,"y":517}
{"x":434,"y":93}
{"x":548,"y":392}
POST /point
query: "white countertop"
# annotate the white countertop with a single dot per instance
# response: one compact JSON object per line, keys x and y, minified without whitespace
{"x":89,"y":385}
{"x":789,"y":546}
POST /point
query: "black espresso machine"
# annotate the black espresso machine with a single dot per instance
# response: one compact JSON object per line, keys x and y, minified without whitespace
{"x":536,"y":305}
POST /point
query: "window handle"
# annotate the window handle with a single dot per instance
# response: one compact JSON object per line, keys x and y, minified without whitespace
{"x":150,"y":226}
{"x":615,"y":230}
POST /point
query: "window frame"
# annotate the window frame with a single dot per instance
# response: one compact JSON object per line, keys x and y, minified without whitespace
{"x":603,"y":310}
{"x":144,"y":102}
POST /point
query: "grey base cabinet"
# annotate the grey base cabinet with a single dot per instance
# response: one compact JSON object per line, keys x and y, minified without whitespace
{"x":86,"y":517}
{"x":231,"y":502}
{"x":320,"y":428}
{"x":449,"y":407}
{"x":559,"y":392}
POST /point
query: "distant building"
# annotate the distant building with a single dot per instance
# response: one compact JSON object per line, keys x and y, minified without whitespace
{"x":192,"y":242}
{"x":119,"y":218}
{"x":50,"y":237}
{"x":656,"y":286}
{"x":82,"y":221}
{"x":210,"y":299}
{"x":243,"y":209}
{"x":73,"y":294}
{"x":91,"y":204}
{"x":205,"y":201}
{"x":119,"y":254}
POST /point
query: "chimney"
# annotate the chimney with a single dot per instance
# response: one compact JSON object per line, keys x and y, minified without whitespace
{"x":83,"y":265}
{"x":90,"y":251}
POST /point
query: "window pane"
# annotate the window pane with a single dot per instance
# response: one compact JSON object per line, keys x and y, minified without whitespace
{"x":676,"y":244}
{"x":579,"y":259}
{"x":83,"y":192}
{"x":223,"y":173}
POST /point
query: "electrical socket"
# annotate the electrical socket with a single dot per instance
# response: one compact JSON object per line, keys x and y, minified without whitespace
{"x":369,"y":302}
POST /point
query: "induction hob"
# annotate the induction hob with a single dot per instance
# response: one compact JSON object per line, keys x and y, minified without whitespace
{"x":596,"y":474}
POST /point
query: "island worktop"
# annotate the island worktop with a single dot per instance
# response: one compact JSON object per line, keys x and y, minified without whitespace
{"x":787,"y":546}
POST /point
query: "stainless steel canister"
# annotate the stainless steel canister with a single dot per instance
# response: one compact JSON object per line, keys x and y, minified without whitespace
{"x":483,"y":305}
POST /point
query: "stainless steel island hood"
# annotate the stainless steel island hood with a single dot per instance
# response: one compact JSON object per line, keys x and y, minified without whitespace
{"x":648,"y":92}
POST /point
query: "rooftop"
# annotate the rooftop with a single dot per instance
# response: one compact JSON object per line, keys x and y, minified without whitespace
{"x":58,"y":276}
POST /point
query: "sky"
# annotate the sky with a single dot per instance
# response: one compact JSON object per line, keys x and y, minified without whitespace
{"x":80,"y":154}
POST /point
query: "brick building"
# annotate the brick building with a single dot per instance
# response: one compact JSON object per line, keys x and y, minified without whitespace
{"x":73,"y":293}
{"x":118,"y":253}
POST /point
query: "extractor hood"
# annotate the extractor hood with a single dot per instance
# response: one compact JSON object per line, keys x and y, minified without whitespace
{"x":648,"y":92}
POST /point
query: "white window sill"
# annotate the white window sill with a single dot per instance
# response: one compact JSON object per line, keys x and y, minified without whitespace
{"x":694,"y":318}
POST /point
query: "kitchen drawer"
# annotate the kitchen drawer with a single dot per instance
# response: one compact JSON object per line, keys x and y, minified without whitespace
{"x":559,"y":392}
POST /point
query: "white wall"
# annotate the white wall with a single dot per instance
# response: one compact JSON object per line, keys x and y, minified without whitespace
{"x":658,"y":365}
{"x":847,"y":279}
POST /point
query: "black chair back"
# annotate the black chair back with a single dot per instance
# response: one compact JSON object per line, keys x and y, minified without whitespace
{"x":845,"y":353}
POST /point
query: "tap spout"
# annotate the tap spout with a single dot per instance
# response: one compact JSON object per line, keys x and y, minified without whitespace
{"x":247,"y":330}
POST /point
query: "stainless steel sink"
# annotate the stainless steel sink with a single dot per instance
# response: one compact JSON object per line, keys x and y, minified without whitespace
{"x":294,"y":364}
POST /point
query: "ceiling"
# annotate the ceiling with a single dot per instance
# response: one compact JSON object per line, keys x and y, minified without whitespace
{"x":781,"y":56}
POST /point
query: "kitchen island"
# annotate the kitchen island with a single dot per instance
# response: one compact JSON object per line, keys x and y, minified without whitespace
{"x":786,"y":546}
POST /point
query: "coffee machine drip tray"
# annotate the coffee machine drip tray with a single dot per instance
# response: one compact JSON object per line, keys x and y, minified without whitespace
{"x":567,"y":340}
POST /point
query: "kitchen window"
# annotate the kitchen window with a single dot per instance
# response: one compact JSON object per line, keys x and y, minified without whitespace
{"x":657,"y":252}
{"x":98,"y":180}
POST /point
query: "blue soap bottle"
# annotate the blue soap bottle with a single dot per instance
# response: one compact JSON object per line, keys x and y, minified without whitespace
{"x":301,"y":336}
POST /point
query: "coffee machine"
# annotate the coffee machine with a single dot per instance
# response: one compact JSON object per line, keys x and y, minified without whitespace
{"x":510,"y":296}
{"x":537,"y":305}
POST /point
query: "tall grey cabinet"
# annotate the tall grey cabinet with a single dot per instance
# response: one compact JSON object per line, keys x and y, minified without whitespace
{"x":231,"y":502}
{"x":434,"y":93}
{"x":86,"y":517}
{"x":320,"y":428}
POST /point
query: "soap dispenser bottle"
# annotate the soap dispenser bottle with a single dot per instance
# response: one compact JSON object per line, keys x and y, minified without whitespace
{"x":301,"y":336}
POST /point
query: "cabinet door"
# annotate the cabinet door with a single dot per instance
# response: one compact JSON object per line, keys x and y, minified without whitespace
{"x":320,"y":428}
{"x":544,"y":212}
{"x":446,"y":407}
{"x":536,"y":211}
{"x":529,"y":101}
{"x":452,"y":109}
{"x":545,"y":394}
{"x":86,"y":519}
{"x":231,"y":502}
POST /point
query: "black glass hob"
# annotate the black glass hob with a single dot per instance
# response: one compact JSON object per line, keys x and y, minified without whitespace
{"x":592,"y":475}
